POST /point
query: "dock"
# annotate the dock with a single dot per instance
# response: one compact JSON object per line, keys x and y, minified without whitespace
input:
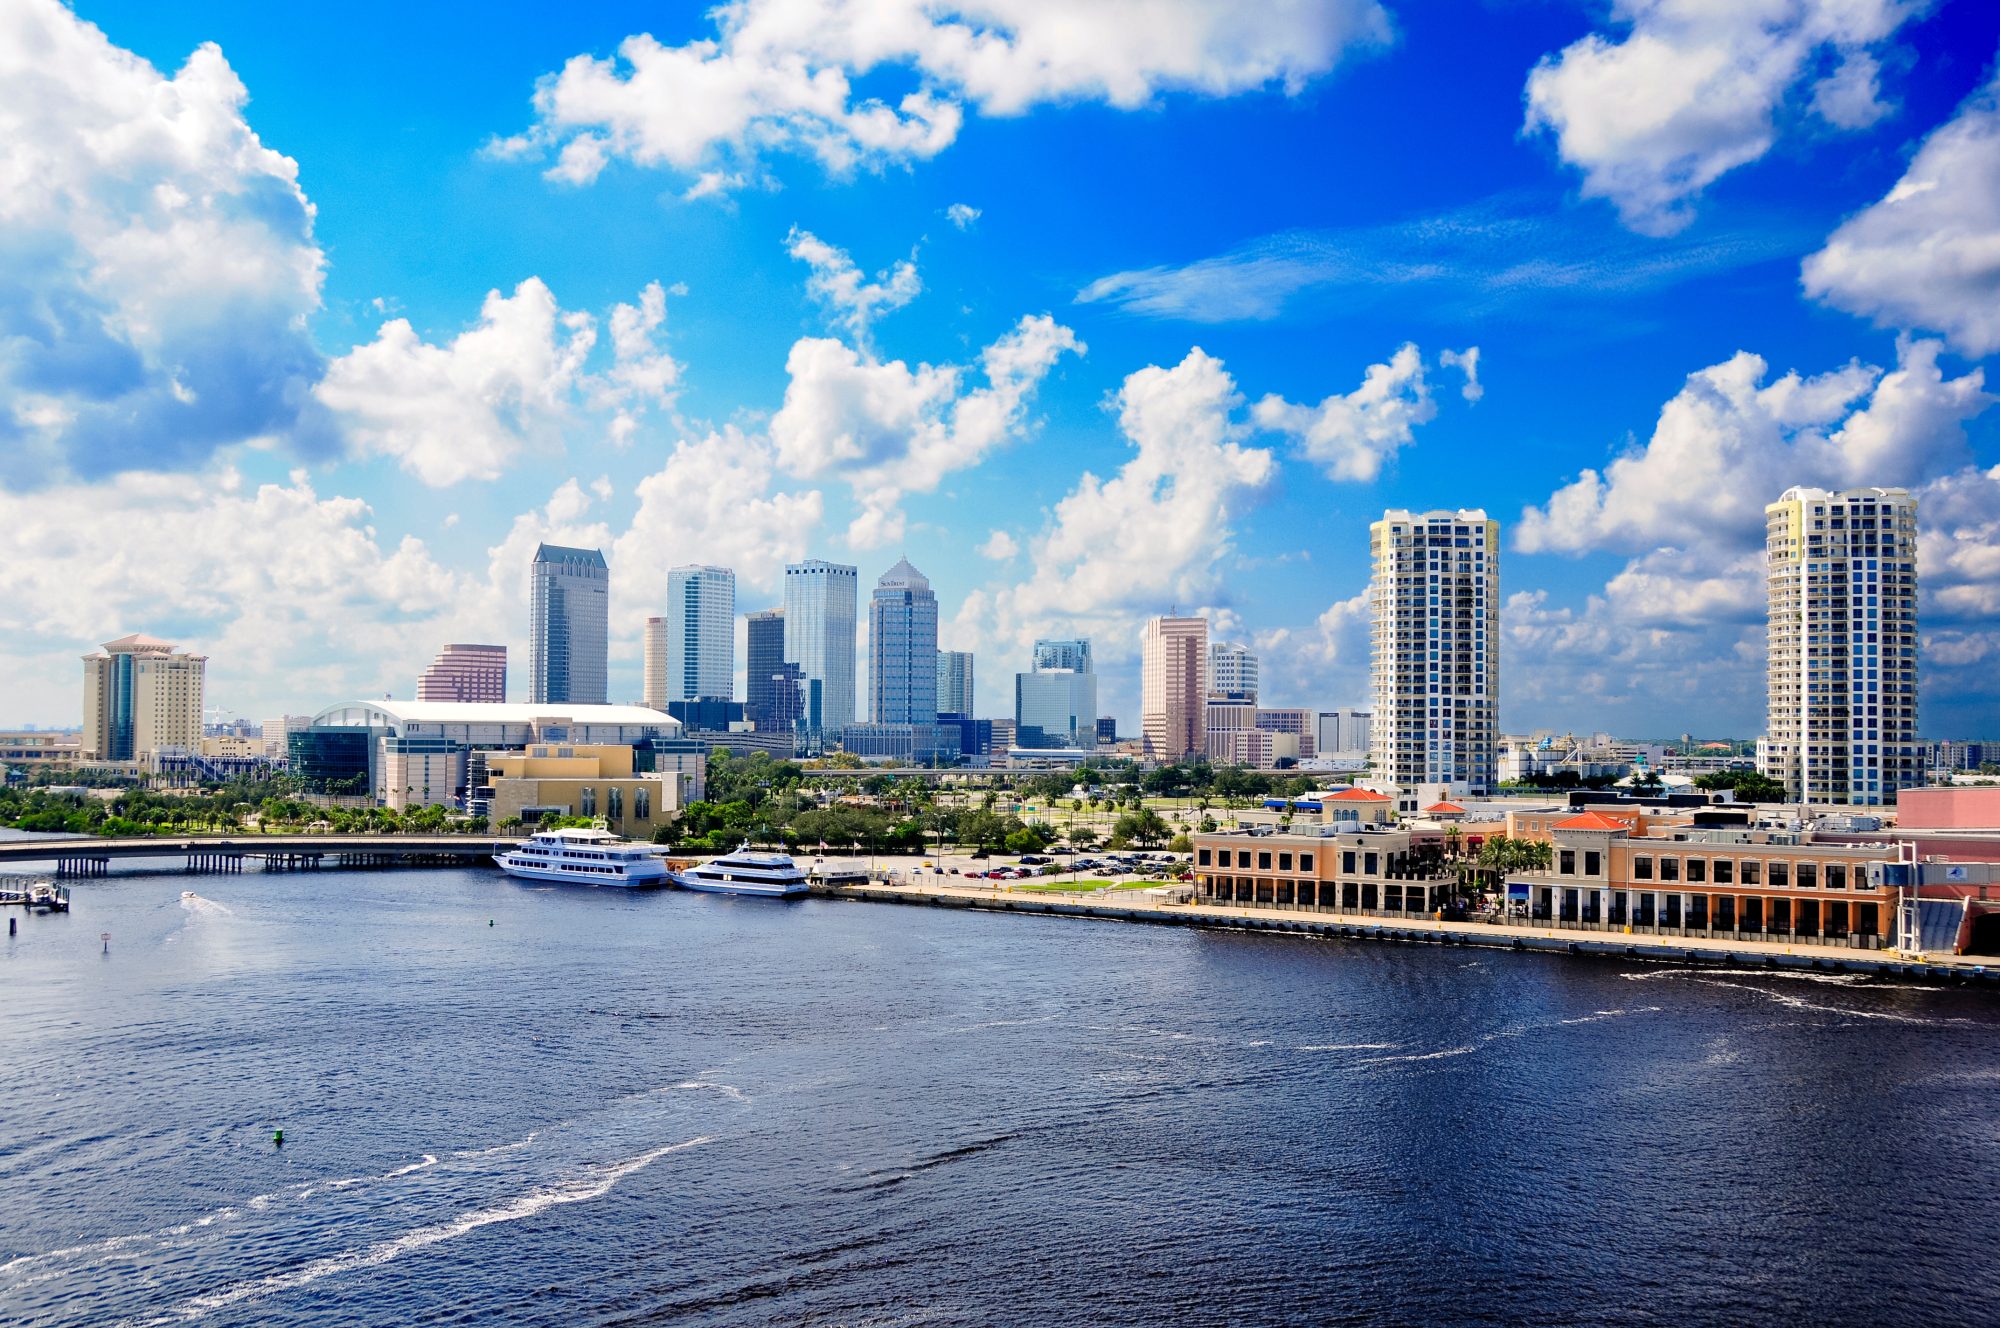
{"x":1683,"y":951}
{"x":35,"y":893}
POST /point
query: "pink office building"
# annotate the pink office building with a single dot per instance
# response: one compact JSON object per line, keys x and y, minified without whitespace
{"x":465,"y":673}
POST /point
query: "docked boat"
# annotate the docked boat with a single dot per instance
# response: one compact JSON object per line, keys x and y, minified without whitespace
{"x":773,"y":875}
{"x":584,"y":857}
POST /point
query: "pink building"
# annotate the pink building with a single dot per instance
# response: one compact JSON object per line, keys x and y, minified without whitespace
{"x":1948,"y":808}
{"x":1173,"y":687}
{"x":465,"y":673}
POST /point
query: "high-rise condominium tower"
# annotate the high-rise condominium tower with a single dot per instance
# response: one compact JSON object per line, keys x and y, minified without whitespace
{"x":140,"y":696}
{"x":465,"y":673}
{"x":1232,"y":672}
{"x":763,"y":658}
{"x":1841,"y":676}
{"x":820,"y":602}
{"x":954,"y":682}
{"x":1073,"y":655}
{"x":1436,"y":593}
{"x":569,"y":626}
{"x":902,"y":648}
{"x":1173,"y":687}
{"x":701,"y":633}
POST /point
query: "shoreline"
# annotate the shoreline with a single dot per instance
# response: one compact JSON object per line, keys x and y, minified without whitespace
{"x":1696,"y":951}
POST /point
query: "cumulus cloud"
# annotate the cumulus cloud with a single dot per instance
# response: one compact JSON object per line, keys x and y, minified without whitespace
{"x":1155,"y":534}
{"x":1927,"y":256}
{"x":889,"y":429}
{"x":961,"y":215}
{"x":1351,"y":436}
{"x":1692,"y":90}
{"x":467,"y":408}
{"x":837,"y":283}
{"x":779,"y":75}
{"x":1000,"y":546}
{"x":1730,"y":442}
{"x":157,"y":261}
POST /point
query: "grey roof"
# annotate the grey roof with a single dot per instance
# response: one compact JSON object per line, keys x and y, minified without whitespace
{"x":902,"y":574}
{"x":560,"y":553}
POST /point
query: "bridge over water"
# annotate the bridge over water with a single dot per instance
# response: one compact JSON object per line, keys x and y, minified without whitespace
{"x":81,"y":857}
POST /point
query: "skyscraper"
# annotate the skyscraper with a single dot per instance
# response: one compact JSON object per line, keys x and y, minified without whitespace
{"x":1232,"y":672}
{"x":653,"y":683}
{"x":954,"y":682}
{"x":1436,"y":594}
{"x":763,"y":657}
{"x":140,"y":696}
{"x":465,"y":673}
{"x":1173,"y":687}
{"x":1062,"y":655}
{"x":701,"y":632}
{"x":820,"y":600}
{"x":569,"y":626}
{"x":902,"y":648}
{"x":1841,"y":674}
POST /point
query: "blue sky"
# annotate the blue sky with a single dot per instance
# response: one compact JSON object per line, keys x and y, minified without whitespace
{"x":1738,"y":246}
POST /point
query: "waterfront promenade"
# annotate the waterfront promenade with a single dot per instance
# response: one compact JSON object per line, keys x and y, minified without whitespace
{"x":1137,"y":906}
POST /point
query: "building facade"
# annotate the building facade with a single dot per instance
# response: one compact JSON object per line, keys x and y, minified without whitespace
{"x":1436,"y":648}
{"x":1344,"y":731}
{"x":1173,"y":687}
{"x":1055,"y":708}
{"x":902,"y":648}
{"x":701,"y":632}
{"x":1367,"y":872}
{"x":1841,"y":674}
{"x":569,"y":624}
{"x":1073,"y":655}
{"x":954,"y":682}
{"x":763,"y":659}
{"x":141,"y":696}
{"x":595,"y":780}
{"x":820,"y":600}
{"x":464,"y":672}
{"x":653,"y":675}
{"x":1232,"y":671}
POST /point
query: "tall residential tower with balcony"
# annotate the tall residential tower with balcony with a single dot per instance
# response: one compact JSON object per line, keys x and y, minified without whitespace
{"x":1841,"y":674}
{"x":1436,"y":594}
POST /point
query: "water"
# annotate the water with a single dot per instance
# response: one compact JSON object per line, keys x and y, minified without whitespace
{"x":667,"y":1108}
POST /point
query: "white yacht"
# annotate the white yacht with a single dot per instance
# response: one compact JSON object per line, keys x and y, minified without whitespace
{"x":744,"y":873}
{"x":585,"y":857}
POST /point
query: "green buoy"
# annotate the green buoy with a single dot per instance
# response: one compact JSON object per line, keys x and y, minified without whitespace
{"x":278,"y":1139}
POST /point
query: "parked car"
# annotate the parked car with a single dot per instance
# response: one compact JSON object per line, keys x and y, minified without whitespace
{"x":1034,"y":860}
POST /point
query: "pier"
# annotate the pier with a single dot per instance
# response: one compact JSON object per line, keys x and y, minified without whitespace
{"x":1716,"y":952}
{"x":35,"y":893}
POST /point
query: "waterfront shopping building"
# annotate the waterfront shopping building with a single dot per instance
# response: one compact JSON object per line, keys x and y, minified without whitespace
{"x":1841,"y":579}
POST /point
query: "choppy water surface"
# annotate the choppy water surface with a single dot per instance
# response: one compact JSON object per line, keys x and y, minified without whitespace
{"x":666,"y":1108}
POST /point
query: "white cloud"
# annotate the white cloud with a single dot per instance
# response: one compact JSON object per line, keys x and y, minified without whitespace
{"x":1729,"y":442}
{"x":1928,"y":254}
{"x":961,"y":215}
{"x":1351,"y":436}
{"x":888,"y":429}
{"x":1155,"y":534}
{"x":1692,"y":89}
{"x":157,"y":261}
{"x":281,"y":587}
{"x":838,"y":284}
{"x":778,"y":75}
{"x":1466,"y":362}
{"x":1000,"y":547}
{"x":467,"y":408}
{"x":464,"y":410}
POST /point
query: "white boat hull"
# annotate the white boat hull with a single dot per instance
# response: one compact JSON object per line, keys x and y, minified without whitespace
{"x":639,"y":880}
{"x":762,"y":889}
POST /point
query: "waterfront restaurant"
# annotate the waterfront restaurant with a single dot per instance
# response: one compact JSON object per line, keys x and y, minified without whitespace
{"x":1740,"y":883}
{"x":1369,"y":871}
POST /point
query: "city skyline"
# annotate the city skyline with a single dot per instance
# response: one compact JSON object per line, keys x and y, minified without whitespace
{"x":1623,"y":343}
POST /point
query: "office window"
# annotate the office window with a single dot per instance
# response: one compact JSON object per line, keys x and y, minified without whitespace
{"x":1566,"y":862}
{"x":1725,"y":871}
{"x":1670,"y":869}
{"x":1642,"y":869}
{"x":1753,"y":872}
{"x":1284,"y":862}
{"x":1593,"y":862}
{"x":1836,"y":876}
{"x":1201,"y":857}
{"x":1263,"y":862}
{"x":1305,"y":862}
{"x":1808,"y":875}
{"x":1781,"y":875}
{"x":1347,"y":863}
{"x":1243,"y":857}
{"x":1697,"y":870}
